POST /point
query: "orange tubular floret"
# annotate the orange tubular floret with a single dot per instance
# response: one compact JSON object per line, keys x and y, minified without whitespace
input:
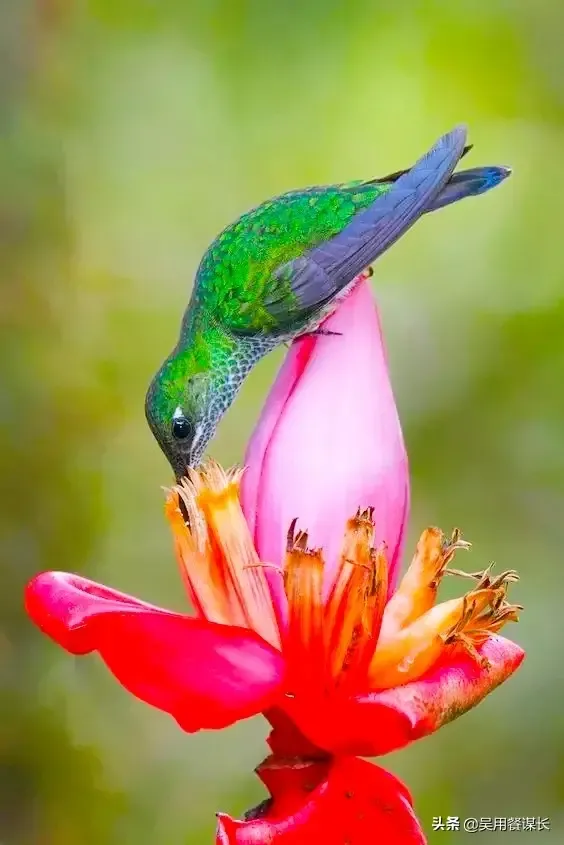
{"x":201,"y":571}
{"x":414,"y":649}
{"x":418,"y":588}
{"x":354,"y":608}
{"x":378,"y":593}
{"x":303,"y":581}
{"x":218,"y":555}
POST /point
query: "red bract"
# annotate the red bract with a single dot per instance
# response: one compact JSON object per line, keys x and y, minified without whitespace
{"x":315,"y":638}
{"x":346,"y":800}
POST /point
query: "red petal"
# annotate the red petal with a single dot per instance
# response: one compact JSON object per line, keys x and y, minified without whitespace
{"x":203,"y":674}
{"x":348,"y":801}
{"x":380,"y":722}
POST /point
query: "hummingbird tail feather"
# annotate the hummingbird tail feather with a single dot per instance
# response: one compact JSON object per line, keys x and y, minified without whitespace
{"x":393,"y":177}
{"x":321,"y":273}
{"x":469,"y":183}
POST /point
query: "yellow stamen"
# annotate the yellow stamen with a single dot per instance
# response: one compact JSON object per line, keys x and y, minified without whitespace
{"x":217,"y":551}
{"x":412,"y":650}
{"x":418,"y":588}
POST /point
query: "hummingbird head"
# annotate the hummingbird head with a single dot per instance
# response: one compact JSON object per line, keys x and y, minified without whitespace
{"x":179,"y":413}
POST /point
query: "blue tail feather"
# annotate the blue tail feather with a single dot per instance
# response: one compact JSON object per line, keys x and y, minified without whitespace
{"x":469,"y":183}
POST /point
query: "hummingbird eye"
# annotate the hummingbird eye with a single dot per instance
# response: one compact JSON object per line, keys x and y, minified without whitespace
{"x":182,"y":428}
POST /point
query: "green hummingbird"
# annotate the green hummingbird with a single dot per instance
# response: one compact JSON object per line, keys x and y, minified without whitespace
{"x":277,"y":273}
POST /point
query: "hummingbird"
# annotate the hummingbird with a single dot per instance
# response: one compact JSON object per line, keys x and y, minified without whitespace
{"x":277,"y":273}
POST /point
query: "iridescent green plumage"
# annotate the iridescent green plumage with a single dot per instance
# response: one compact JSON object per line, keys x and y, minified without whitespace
{"x":277,"y":272}
{"x":246,"y":254}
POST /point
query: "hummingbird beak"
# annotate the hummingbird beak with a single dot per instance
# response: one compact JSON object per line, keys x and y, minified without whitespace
{"x":184,"y":457}
{"x":181,"y":463}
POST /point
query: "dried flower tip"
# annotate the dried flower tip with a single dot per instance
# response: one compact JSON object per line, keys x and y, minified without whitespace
{"x":296,"y":541}
{"x":478,"y":621}
{"x":454,"y":544}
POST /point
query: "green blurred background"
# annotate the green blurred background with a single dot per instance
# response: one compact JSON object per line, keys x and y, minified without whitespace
{"x":131,"y":133}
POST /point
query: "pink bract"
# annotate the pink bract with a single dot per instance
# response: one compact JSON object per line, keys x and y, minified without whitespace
{"x":329,"y":441}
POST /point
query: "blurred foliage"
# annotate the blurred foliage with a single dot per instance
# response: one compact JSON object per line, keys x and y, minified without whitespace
{"x":131,"y":133}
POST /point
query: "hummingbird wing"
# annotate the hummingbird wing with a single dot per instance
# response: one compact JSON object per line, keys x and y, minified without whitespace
{"x":319,"y":274}
{"x":393,"y":177}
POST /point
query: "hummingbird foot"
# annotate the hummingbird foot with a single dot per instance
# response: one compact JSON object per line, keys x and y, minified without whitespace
{"x":324,"y":332}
